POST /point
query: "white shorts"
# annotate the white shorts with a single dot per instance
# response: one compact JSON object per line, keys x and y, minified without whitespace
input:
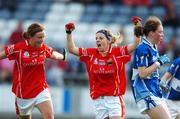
{"x":173,"y":107}
{"x":149,"y":103}
{"x":108,"y":106}
{"x":25,"y":106}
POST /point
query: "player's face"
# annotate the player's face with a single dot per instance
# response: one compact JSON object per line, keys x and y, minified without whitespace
{"x":102,"y":42}
{"x":158,"y":35}
{"x":38,"y":38}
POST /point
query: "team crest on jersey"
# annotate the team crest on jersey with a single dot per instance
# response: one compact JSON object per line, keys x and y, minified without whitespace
{"x":109,"y":61}
{"x":42,"y":53}
{"x":26,"y":54}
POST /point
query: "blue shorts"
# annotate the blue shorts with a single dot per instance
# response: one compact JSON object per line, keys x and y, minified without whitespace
{"x":149,"y":103}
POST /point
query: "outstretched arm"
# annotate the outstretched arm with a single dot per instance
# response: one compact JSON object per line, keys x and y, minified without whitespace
{"x":70,"y":43}
{"x":59,"y":56}
{"x":2,"y":55}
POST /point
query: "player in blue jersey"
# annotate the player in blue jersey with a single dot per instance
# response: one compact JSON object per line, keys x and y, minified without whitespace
{"x":145,"y":79}
{"x":171,"y":80}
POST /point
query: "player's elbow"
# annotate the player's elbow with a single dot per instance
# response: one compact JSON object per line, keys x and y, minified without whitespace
{"x":70,"y":50}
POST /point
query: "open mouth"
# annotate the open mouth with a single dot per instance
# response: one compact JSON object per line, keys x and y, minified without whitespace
{"x":98,"y":45}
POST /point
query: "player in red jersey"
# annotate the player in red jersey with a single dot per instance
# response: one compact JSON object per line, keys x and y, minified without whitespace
{"x":29,"y":84}
{"x":105,"y":66}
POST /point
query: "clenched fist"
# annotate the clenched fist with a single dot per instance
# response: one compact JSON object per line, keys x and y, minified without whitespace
{"x":69,"y":27}
{"x":138,"y":29}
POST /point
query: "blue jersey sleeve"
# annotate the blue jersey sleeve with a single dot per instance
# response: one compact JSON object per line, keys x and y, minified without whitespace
{"x":172,"y":69}
{"x":142,"y":57}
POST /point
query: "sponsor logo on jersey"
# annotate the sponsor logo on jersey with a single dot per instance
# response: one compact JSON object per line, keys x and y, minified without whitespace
{"x":34,"y":54}
{"x":102,"y":62}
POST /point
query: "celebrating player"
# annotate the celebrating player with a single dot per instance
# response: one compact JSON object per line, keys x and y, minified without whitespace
{"x":145,"y":80}
{"x":29,"y":85}
{"x":105,"y":66}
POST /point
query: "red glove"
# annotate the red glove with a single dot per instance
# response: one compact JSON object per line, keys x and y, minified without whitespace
{"x":69,"y":27}
{"x":136,"y":20}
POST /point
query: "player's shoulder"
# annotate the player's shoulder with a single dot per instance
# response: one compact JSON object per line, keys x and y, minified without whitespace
{"x":22,"y":44}
{"x":177,"y":61}
{"x":92,"y":50}
{"x":142,"y":47}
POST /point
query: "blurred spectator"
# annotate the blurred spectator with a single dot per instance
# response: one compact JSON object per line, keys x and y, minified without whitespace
{"x":164,"y":3}
{"x":6,"y":68}
{"x":11,"y":5}
{"x":136,"y":2}
{"x":16,"y":35}
{"x":162,"y":48}
{"x":171,"y":19}
{"x":55,"y":75}
{"x":172,"y":47}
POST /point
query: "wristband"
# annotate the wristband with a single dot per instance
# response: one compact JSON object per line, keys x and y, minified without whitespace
{"x":158,"y":64}
{"x":68,"y":32}
{"x":64,"y":54}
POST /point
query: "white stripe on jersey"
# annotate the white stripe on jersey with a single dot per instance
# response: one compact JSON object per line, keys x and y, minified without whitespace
{"x":19,"y":67}
{"x":26,"y":42}
{"x":117,"y":75}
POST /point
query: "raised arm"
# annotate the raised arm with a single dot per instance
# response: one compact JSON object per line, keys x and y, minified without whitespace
{"x":132,"y":47}
{"x":69,"y":27}
{"x":138,"y":32}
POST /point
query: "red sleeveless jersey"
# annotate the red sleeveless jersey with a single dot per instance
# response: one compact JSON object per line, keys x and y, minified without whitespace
{"x":29,"y":71}
{"x":106,"y":74}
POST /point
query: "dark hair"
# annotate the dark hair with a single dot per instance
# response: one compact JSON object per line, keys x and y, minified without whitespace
{"x":107,"y":33}
{"x":151,"y":24}
{"x":32,"y":30}
{"x":110,"y":36}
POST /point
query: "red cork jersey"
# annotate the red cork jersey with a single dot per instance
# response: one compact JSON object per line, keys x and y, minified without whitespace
{"x":29,"y":71}
{"x":106,"y":74}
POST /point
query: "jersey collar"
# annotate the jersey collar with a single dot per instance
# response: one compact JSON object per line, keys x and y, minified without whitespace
{"x":154,"y":47}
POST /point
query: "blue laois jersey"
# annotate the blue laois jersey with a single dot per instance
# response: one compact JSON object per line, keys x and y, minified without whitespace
{"x":174,"y":70}
{"x":144,"y":56}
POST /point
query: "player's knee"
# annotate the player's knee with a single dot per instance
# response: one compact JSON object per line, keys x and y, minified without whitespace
{"x":49,"y":116}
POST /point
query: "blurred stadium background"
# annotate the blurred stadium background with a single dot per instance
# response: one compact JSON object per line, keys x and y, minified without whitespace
{"x":68,"y":80}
